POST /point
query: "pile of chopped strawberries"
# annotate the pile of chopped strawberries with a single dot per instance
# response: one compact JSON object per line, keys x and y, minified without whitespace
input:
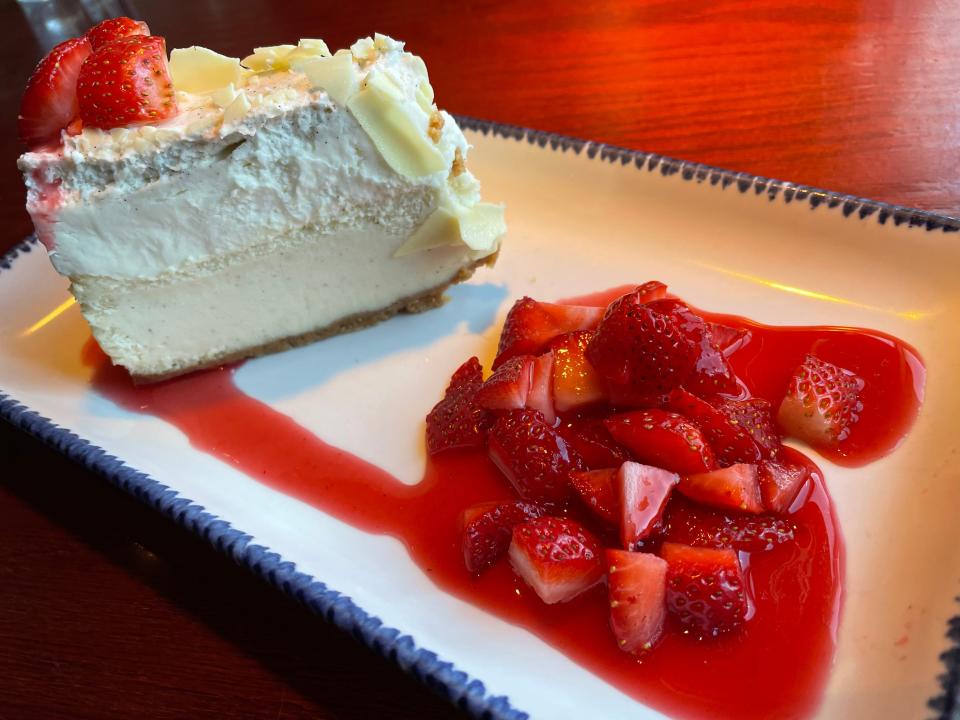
{"x":115,"y":75}
{"x":632,"y":419}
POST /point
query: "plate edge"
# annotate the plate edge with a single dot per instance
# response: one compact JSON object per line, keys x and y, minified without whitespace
{"x":850,"y":205}
{"x":442,"y":677}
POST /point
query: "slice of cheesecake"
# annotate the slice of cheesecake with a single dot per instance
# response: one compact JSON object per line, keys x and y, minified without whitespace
{"x":210,"y":209}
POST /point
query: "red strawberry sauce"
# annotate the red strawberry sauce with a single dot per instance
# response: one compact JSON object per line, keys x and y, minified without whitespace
{"x":775,"y":668}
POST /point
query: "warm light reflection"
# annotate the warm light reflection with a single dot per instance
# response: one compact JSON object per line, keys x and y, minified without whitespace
{"x":905,"y":314}
{"x":49,"y":317}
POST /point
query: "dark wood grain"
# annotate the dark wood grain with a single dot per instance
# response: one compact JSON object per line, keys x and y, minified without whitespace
{"x":108,"y":611}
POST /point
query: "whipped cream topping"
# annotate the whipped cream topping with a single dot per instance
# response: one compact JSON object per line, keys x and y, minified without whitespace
{"x":312,"y":167}
{"x":385,"y":92}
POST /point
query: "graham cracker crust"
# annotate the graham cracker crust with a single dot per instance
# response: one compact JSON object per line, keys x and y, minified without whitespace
{"x":414,"y":304}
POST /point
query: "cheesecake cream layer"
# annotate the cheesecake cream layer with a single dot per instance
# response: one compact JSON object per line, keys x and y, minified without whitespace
{"x":311,"y":166}
{"x":136,"y":202}
{"x":307,"y":195}
{"x":239,"y":305}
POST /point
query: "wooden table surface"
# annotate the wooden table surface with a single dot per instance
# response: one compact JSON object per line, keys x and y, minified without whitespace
{"x":108,"y":611}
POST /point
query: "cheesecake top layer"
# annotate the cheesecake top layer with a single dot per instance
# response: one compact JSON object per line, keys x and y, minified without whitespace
{"x":247,"y":124}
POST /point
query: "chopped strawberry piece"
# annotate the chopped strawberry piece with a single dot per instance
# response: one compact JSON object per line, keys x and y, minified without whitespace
{"x":541,"y":388}
{"x":637,"y":584}
{"x":532,"y":455}
{"x":126,"y":82}
{"x":475,"y":511}
{"x":115,"y":29}
{"x":531,"y":325}
{"x":457,"y":421}
{"x":488,"y":529}
{"x":735,"y":488}
{"x":598,"y":492}
{"x":644,"y":492}
{"x":662,"y":439}
{"x":730,"y":443}
{"x":50,"y":101}
{"x":822,"y":403}
{"x":705,"y":588}
{"x":508,"y":387}
{"x":691,"y":524}
{"x":591,"y":440}
{"x":639,"y":294}
{"x":650,"y":291}
{"x":575,"y":382}
{"x":557,"y":557}
{"x":727,"y":339}
{"x":711,"y":373}
{"x":755,"y":418}
{"x":780,"y":484}
{"x":640,"y":353}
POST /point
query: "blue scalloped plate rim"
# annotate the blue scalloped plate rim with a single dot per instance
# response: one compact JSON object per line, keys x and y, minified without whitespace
{"x":469,"y":694}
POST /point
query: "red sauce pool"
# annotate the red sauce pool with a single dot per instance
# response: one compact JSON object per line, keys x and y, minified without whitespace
{"x":776,"y":668}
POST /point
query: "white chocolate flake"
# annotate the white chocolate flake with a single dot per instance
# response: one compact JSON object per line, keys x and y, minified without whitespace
{"x":306,"y":49}
{"x":336,"y":75}
{"x":222,"y":97}
{"x":439,"y":229}
{"x":236,"y":110}
{"x":364,"y":50}
{"x":199,"y":70}
{"x":395,"y":127}
{"x":482,"y":226}
{"x":479,"y":227}
{"x":268,"y":58}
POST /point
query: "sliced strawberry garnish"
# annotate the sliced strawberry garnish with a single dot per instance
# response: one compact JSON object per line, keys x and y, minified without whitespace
{"x":457,"y":421}
{"x":734,"y":488}
{"x":711,"y":373}
{"x":643,"y":491}
{"x":755,"y":418}
{"x":508,"y":387}
{"x":591,"y":440}
{"x":822,"y":403}
{"x":575,"y":382}
{"x":488,"y":529}
{"x":50,"y":101}
{"x":662,"y":439}
{"x":640,"y":353}
{"x":730,"y":443}
{"x":637,"y":583}
{"x":691,"y":524}
{"x":598,"y":491}
{"x":780,"y":484}
{"x":541,"y":387}
{"x":126,"y":82}
{"x":705,"y":588}
{"x":532,"y":455}
{"x":115,"y":29}
{"x":531,"y":325}
{"x":557,"y":557}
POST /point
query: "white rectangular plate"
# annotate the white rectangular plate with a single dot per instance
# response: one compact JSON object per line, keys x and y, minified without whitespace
{"x":582,"y":218}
